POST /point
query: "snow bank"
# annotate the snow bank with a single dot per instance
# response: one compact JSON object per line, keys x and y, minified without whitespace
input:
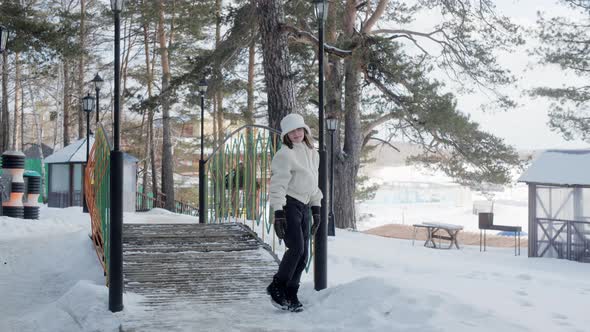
{"x":81,"y":308}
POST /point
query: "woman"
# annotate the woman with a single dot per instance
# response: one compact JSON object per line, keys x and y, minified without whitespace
{"x":293,"y":189}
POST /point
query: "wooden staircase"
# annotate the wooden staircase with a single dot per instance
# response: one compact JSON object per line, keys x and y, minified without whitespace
{"x":179,"y":265}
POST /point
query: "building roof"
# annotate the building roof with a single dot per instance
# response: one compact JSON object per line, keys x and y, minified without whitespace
{"x":559,"y":167}
{"x":73,"y":153}
{"x":129,"y":158}
{"x":32,"y":152}
{"x":76,"y":153}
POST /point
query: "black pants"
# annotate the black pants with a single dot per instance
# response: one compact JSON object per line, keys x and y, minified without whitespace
{"x":297,"y":242}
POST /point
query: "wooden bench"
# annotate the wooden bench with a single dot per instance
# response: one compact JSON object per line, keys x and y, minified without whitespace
{"x":433,"y":231}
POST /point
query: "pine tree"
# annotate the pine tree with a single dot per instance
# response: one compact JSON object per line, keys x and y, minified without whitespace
{"x":565,"y":42}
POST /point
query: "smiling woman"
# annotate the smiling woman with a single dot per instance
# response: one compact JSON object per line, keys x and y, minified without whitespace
{"x":293,"y":190}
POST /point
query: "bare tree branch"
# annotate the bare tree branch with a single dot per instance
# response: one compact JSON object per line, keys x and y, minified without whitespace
{"x":308,"y":38}
{"x":376,"y":15}
{"x":377,"y":122}
{"x":383,"y":141}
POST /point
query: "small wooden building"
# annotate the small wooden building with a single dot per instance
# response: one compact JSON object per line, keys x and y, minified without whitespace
{"x":129,"y":182}
{"x":65,"y":175}
{"x":559,"y":205}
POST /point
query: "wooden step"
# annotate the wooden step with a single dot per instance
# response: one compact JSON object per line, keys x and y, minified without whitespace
{"x":173,"y":265}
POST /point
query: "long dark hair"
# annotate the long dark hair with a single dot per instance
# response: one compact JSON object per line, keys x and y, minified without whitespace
{"x":306,"y":139}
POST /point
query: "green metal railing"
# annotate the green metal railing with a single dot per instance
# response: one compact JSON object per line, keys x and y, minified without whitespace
{"x":238,"y":178}
{"x":98,"y":198}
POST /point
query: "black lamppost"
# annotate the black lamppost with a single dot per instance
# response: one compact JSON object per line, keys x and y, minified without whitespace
{"x":321,"y":237}
{"x":3,"y":38}
{"x":332,"y":124}
{"x":116,"y":231}
{"x":98,"y":82}
{"x":202,"y":219}
{"x":88,"y":107}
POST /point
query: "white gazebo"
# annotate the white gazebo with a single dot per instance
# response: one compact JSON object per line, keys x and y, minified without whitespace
{"x":559,"y":204}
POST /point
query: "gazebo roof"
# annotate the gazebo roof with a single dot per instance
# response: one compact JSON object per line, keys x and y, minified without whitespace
{"x":559,"y":167}
{"x":73,"y":153}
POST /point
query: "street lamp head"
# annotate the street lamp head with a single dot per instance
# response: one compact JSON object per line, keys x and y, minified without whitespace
{"x":88,"y":103}
{"x":203,"y":86}
{"x":98,"y":82}
{"x":332,"y":123}
{"x":117,"y":5}
{"x":3,"y":38}
{"x":321,"y":10}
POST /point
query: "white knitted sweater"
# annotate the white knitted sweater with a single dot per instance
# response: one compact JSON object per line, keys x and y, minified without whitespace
{"x":295,"y":173}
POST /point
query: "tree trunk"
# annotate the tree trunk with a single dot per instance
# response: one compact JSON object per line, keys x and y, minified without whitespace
{"x":16,"y":134}
{"x":346,"y":167}
{"x":56,"y":124}
{"x":220,"y":131}
{"x":167,"y":159}
{"x":149,"y":149}
{"x":153,"y":155}
{"x":40,"y":145}
{"x":5,"y":127}
{"x":22,"y":118}
{"x":249,"y":114}
{"x":275,"y":54}
{"x":333,"y":85}
{"x":252,"y":187}
{"x":80,"y":111}
{"x":39,"y":132}
{"x":66,"y":105}
{"x":219,"y":91}
{"x":125,"y":65}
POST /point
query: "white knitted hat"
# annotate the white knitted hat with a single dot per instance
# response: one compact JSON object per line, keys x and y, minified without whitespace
{"x":291,"y":122}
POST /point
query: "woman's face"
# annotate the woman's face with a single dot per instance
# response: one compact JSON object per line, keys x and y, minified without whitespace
{"x":296,"y":136}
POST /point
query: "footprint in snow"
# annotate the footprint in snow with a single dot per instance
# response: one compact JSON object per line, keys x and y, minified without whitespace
{"x":524,"y":276}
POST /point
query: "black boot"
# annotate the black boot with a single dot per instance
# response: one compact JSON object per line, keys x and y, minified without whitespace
{"x":276,"y":290}
{"x":291,"y":295}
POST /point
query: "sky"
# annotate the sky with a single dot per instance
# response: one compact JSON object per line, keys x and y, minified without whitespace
{"x":51,"y":280}
{"x":526,"y":126}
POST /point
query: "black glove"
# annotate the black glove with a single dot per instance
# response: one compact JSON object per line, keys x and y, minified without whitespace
{"x":280,"y":224}
{"x":315,"y":211}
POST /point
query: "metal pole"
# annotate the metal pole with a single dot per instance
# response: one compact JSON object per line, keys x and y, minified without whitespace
{"x":87,"y":137}
{"x":84,"y":204}
{"x":331,"y":226}
{"x":97,"y":108}
{"x":321,"y":238}
{"x":116,"y":232}
{"x":202,"y":167}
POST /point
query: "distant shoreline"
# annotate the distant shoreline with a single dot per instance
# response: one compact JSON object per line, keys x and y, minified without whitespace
{"x":406,"y":232}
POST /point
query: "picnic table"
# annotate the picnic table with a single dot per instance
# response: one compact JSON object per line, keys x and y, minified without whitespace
{"x":435,"y":231}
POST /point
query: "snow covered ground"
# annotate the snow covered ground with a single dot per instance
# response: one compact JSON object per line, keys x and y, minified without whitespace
{"x":50,"y":278}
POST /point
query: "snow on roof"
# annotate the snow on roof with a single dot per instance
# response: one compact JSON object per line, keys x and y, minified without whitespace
{"x":560,"y":167}
{"x":73,"y":153}
{"x":129,"y":158}
{"x":76,"y":153}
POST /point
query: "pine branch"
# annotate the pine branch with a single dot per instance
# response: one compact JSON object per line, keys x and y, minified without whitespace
{"x":308,"y":38}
